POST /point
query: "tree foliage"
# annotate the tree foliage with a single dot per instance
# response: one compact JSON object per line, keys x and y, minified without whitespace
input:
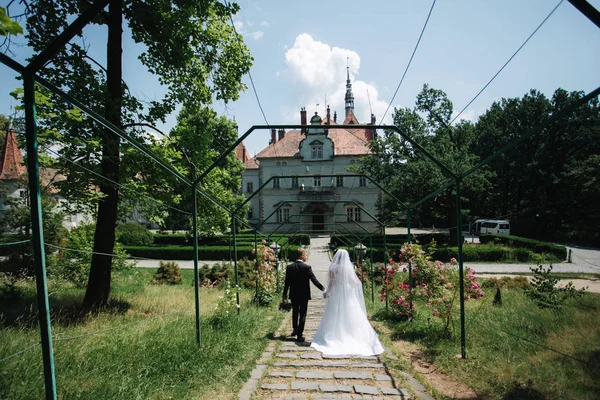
{"x":193,"y":52}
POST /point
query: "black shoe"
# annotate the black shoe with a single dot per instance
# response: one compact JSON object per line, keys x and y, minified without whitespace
{"x":301,"y":339}
{"x":293,"y":333}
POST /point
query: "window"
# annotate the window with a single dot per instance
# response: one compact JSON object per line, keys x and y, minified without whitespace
{"x":283,"y":163}
{"x":276,"y":183}
{"x":317,"y":151}
{"x":294,"y":182}
{"x":23,"y":194}
{"x":339,"y":181}
{"x":283,"y":214}
{"x":250,"y":213}
{"x":353,"y":214}
{"x":278,"y":163}
{"x":362,"y":181}
{"x":250,"y":187}
{"x":317,"y":181}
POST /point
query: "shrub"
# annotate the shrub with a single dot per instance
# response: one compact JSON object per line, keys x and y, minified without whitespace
{"x":506,"y":282}
{"x":74,"y":264}
{"x":545,"y":292}
{"x":537,"y":246}
{"x":134,"y":234}
{"x":168,"y":272}
{"x":186,"y":252}
{"x":266,"y":275}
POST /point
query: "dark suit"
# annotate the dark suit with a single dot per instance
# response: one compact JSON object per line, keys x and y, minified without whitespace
{"x":297,"y":277}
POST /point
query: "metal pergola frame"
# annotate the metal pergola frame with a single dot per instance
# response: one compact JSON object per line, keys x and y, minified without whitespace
{"x":29,"y":75}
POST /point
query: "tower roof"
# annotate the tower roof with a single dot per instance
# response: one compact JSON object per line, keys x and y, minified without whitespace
{"x":349,"y":98}
{"x":11,"y":163}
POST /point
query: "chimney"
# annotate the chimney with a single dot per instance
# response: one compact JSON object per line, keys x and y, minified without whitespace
{"x":335,"y":116}
{"x":328,"y":119}
{"x":281,"y":134}
{"x":273,"y":136}
{"x":244,"y":154}
{"x":372,"y":119}
{"x":303,"y":118}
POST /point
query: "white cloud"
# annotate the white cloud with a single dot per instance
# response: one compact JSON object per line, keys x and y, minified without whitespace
{"x":257,"y":35}
{"x":264,"y":23}
{"x":316,"y":70}
{"x":239,"y":25}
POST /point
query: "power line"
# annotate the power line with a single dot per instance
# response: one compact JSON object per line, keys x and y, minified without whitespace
{"x":409,"y":61}
{"x":507,"y":62}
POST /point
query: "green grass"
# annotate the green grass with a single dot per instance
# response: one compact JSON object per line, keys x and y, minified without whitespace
{"x":156,"y":358}
{"x":515,"y":351}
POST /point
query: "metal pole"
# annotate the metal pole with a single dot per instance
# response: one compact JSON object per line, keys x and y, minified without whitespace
{"x":463,"y":352}
{"x":372,"y":271}
{"x":385,"y":261}
{"x":235,"y":262}
{"x":196,"y":277}
{"x":256,"y":269}
{"x":410,"y":280}
{"x":35,"y":201}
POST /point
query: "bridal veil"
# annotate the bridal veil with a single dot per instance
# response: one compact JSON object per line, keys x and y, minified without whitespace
{"x":345,"y":328}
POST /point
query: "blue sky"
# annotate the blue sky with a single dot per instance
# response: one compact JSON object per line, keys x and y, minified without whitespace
{"x":300,"y":51}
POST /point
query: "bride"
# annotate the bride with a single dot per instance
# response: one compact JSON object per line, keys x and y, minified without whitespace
{"x":345,"y":329}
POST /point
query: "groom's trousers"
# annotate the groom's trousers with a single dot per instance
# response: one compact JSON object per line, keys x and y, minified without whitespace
{"x":299,"y":309}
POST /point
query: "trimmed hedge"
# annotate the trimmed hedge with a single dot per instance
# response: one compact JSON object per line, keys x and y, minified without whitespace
{"x":395,"y":240}
{"x":182,"y":239}
{"x":536,"y":246}
{"x":204,"y":252}
{"x":478,"y":253}
{"x":134,"y":234}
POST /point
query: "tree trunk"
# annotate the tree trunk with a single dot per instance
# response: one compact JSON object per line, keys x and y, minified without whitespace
{"x":98,"y":288}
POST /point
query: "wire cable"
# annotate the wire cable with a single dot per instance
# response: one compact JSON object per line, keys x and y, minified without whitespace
{"x":409,"y":61}
{"x":20,"y":352}
{"x":507,"y":62}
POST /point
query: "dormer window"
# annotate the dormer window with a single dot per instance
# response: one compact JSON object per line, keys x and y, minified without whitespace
{"x":316,"y":149}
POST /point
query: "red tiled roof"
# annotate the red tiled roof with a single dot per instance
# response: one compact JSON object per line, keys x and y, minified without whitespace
{"x":11,"y":163}
{"x":345,"y":142}
{"x":241,"y":153}
{"x":251,"y":163}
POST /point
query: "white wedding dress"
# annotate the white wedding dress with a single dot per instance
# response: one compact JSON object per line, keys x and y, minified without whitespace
{"x":345,"y":328}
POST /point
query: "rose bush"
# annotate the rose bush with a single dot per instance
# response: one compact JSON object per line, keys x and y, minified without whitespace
{"x":435,"y":282}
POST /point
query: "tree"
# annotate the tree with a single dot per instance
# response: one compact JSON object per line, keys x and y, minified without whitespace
{"x":190,"y":47}
{"x":546,"y":184}
{"x":197,"y":140}
{"x":409,"y":174}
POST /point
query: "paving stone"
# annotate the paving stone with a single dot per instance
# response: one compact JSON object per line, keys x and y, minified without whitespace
{"x":311,"y":356}
{"x":383,"y":377}
{"x":257,"y":372}
{"x":282,"y":374}
{"x":274,"y":386}
{"x":286,"y":355}
{"x":368,"y":365}
{"x":295,"y":348}
{"x":335,"y":388}
{"x":416,"y":386}
{"x":315,"y":374}
{"x":391,"y":391}
{"x":334,"y":356}
{"x":280,"y":364}
{"x":299,"y":385}
{"x":352,"y":375}
{"x":364,"y":389}
{"x":304,"y":364}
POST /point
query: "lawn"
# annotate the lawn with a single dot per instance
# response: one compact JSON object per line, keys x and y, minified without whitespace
{"x":144,"y":346}
{"x":514,"y":351}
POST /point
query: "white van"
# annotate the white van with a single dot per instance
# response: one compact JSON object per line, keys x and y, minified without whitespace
{"x":495,"y":226}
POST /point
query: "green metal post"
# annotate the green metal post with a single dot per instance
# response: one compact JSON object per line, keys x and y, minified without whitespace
{"x":256,"y":268}
{"x":37,"y":230}
{"x":385,"y":261}
{"x":463,"y":351}
{"x":196,"y":277}
{"x":235,"y":262}
{"x":372,"y":270}
{"x":410,"y":279}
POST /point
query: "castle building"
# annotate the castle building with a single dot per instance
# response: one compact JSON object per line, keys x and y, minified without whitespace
{"x":309,"y":191}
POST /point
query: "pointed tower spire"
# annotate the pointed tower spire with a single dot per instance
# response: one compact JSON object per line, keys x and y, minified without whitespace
{"x":349,"y":95}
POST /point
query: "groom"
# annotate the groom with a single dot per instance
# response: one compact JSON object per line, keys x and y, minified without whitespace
{"x":297,"y":276}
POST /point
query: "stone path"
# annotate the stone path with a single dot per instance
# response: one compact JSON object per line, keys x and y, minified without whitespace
{"x":291,"y":370}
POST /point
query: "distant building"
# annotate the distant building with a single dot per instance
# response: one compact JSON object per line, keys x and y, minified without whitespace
{"x":315,"y":196}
